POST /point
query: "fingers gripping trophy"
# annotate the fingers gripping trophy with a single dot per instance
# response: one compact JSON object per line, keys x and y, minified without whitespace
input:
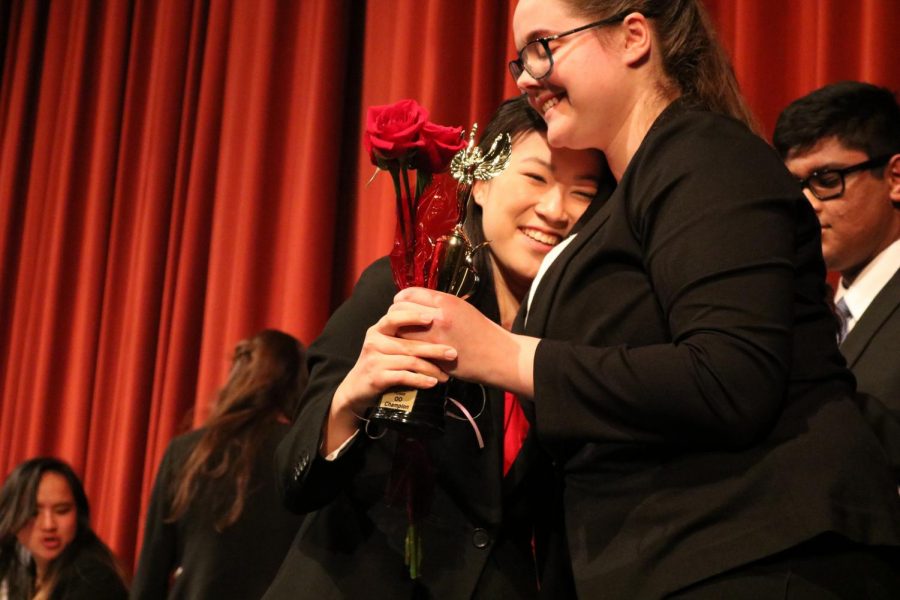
{"x":444,"y":262}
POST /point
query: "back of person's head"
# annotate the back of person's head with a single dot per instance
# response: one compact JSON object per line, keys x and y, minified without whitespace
{"x":268,"y":372}
{"x":861,"y":116}
{"x":692,"y":58}
{"x":18,"y":507}
{"x":267,"y":377}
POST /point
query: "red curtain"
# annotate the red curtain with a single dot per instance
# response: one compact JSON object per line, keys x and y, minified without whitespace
{"x":177,"y":174}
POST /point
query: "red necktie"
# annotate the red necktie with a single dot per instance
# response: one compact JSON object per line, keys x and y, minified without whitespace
{"x":515,"y":428}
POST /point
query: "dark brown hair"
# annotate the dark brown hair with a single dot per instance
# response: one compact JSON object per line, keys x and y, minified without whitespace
{"x":18,"y":503}
{"x":692,"y":58}
{"x":268,"y":374}
{"x":515,"y":117}
{"x":861,"y":116}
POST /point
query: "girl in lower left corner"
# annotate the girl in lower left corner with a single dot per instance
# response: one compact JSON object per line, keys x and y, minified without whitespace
{"x":48,"y":550}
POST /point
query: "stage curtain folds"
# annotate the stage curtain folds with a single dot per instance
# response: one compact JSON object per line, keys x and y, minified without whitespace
{"x":177,"y":174}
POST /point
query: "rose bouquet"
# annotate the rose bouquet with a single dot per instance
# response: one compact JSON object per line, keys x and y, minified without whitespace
{"x":430,"y":250}
{"x":402,"y":141}
{"x":430,"y":247}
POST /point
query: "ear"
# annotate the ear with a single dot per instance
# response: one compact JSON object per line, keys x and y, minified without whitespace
{"x":638,"y":38}
{"x":479,"y":191}
{"x":892,"y":173}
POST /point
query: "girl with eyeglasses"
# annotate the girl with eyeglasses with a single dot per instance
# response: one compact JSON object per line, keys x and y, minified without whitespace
{"x":678,"y":358}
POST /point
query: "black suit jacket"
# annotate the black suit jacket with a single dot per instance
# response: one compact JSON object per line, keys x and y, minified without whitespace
{"x":872,"y":348}
{"x":688,"y":384}
{"x":90,"y":579}
{"x":476,"y":538}
{"x":239,"y":562}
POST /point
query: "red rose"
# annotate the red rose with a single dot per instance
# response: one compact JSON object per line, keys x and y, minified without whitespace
{"x":440,"y":144}
{"x":394,"y":130}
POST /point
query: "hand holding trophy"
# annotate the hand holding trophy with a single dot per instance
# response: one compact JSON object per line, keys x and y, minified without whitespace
{"x":431,"y":248}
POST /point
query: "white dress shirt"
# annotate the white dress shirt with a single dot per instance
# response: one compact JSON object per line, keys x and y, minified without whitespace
{"x":545,"y":264}
{"x":870,"y":281}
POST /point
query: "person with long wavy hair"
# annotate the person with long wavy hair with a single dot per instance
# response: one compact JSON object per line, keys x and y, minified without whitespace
{"x":48,"y":550}
{"x":216,"y":527}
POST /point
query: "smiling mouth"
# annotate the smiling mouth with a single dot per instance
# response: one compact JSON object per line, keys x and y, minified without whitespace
{"x":545,"y":100}
{"x":549,"y":239}
{"x":549,"y":104}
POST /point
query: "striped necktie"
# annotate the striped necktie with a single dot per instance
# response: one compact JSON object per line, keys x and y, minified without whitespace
{"x":844,"y":316}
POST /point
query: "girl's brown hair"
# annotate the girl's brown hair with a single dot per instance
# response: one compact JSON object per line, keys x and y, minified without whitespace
{"x":692,"y":57}
{"x":268,"y":374}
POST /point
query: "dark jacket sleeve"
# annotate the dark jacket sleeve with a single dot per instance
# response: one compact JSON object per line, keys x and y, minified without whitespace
{"x":91,"y":579}
{"x":886,"y":425}
{"x":159,"y":551}
{"x":709,"y":230}
{"x":307,"y":480}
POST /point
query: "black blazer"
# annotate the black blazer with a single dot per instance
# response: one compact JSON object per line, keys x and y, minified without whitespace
{"x":872,"y":348}
{"x":688,"y":384}
{"x":477,"y":537}
{"x":239,"y":562}
{"x":90,"y":579}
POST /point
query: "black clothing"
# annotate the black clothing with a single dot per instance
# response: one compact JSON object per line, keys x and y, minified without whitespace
{"x":238,"y":563}
{"x":872,"y":348}
{"x":90,"y":579}
{"x":688,"y":383}
{"x":477,"y":536}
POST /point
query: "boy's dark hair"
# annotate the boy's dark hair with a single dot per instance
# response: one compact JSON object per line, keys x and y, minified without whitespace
{"x":860,"y":115}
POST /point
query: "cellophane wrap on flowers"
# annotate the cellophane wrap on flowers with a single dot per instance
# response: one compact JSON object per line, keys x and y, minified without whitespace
{"x":436,"y":215}
{"x":430,"y":250}
{"x":402,"y":141}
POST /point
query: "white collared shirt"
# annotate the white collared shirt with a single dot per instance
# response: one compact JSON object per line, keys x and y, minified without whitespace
{"x":869,"y":283}
{"x":545,"y":264}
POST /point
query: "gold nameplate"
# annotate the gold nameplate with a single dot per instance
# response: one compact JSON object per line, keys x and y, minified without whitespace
{"x":399,"y":400}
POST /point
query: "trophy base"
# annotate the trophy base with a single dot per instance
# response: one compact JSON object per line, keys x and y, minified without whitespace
{"x":413,"y":413}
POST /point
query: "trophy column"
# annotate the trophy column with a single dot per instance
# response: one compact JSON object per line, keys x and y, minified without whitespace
{"x":420,"y":413}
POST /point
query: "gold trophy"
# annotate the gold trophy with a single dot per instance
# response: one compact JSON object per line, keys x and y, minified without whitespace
{"x":420,"y":413}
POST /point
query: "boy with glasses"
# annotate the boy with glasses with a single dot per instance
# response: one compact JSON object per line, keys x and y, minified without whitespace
{"x":843,"y":144}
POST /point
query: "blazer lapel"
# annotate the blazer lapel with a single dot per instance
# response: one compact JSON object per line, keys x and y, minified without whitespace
{"x":885,"y":303}
{"x":535,"y":321}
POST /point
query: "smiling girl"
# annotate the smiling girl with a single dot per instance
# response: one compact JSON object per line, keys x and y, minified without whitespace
{"x":477,"y":534}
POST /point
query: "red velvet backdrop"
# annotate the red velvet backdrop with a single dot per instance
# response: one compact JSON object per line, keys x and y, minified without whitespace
{"x":176,"y":174}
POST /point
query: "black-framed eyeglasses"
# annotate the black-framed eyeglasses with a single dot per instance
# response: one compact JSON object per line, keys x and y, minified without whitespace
{"x":828,"y":184}
{"x":535,"y":57}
